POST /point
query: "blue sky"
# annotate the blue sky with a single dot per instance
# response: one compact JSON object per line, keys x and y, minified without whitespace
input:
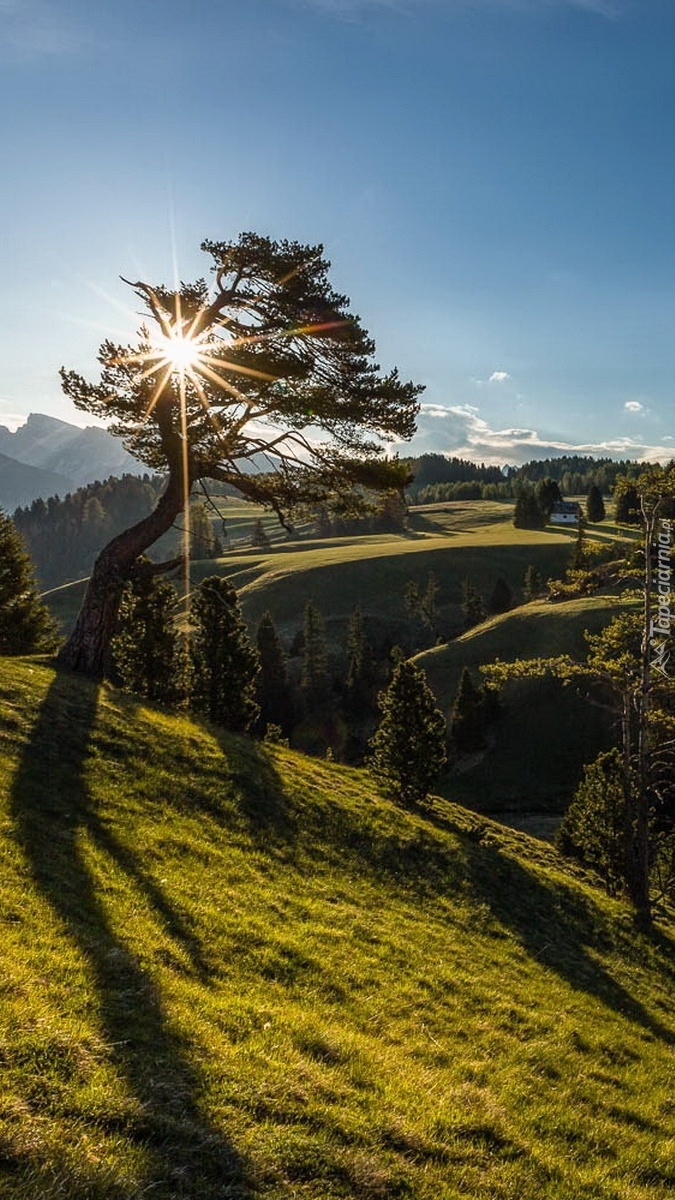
{"x":493,"y":181}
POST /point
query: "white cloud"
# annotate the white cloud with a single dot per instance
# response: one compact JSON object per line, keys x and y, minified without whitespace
{"x":460,"y":430}
{"x":634,"y":406}
{"x":499,"y":377}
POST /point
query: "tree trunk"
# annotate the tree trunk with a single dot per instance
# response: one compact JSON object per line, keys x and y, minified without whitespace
{"x":88,"y":647}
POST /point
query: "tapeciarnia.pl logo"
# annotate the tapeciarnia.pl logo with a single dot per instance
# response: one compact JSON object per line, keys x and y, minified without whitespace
{"x":661,"y":625}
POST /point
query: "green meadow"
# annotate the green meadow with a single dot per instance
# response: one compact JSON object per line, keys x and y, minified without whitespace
{"x":232,"y":971}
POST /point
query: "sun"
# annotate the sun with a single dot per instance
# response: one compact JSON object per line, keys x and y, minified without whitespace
{"x":183,"y":354}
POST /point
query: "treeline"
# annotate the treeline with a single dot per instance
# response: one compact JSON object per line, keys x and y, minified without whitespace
{"x":438,"y":479}
{"x":63,"y":536}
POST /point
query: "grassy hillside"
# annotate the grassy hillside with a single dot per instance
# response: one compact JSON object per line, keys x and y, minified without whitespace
{"x":456,"y":541}
{"x":546,"y":732}
{"x":228,"y":972}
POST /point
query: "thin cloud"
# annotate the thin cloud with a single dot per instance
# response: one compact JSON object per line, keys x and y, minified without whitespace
{"x":460,"y":430}
{"x":499,"y":377}
{"x":634,"y":406}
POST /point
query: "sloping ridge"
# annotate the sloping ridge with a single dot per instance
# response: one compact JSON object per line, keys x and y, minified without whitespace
{"x":230,"y":971}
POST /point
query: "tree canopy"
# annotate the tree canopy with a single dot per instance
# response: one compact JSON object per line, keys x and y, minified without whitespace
{"x":265,"y":381}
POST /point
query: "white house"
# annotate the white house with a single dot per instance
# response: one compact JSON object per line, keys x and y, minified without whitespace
{"x":565,"y":512}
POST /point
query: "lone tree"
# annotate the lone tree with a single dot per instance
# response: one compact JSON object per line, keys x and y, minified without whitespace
{"x":409,"y":748}
{"x":268,"y":366}
{"x":26,"y":626}
{"x":224,"y":663}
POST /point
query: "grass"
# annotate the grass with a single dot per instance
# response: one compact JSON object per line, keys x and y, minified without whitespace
{"x":458,"y":541}
{"x":234,"y":972}
{"x":546,"y":732}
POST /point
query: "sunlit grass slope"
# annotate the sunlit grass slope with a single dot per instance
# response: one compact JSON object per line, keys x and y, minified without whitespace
{"x":546,"y":732}
{"x":233,"y":974}
{"x":472,"y":540}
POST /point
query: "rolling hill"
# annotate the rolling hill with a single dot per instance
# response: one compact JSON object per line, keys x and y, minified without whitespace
{"x":230,"y":971}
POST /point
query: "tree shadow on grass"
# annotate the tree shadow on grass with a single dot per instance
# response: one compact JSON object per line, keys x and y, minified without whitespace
{"x":557,"y":926}
{"x":51,"y":805}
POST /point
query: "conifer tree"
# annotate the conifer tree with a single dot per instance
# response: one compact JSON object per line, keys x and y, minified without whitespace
{"x":224,"y":663}
{"x":272,"y":685}
{"x":501,"y":599}
{"x":527,"y":513}
{"x":409,"y":748}
{"x":358,"y":688}
{"x":259,"y":537}
{"x":473,"y":607}
{"x":547,"y":493}
{"x":314,"y":677}
{"x":595,"y":505}
{"x":203,"y":541}
{"x":146,"y":650}
{"x":467,"y":725}
{"x":533,"y":583}
{"x":26,"y":626}
{"x":595,"y":826}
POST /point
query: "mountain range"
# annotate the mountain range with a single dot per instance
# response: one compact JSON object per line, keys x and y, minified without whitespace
{"x":47,"y":457}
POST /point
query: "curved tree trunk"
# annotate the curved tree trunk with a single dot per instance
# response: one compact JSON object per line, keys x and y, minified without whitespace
{"x":88,"y":647}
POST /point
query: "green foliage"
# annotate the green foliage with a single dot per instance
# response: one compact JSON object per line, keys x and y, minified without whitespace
{"x":26,"y":626}
{"x":527,"y":513}
{"x":147,"y":652}
{"x":272,"y":687}
{"x":595,"y":505}
{"x":314,"y":675}
{"x":468,"y":720}
{"x":64,"y":536}
{"x":224,"y":663}
{"x":227,"y":969}
{"x":547,"y":492}
{"x":423,"y":605}
{"x":501,"y":598}
{"x":203,"y":541}
{"x":473,"y":608}
{"x":595,"y":826}
{"x":533,"y":584}
{"x":357,"y":693}
{"x":627,"y":503}
{"x":259,"y":537}
{"x":409,"y":748}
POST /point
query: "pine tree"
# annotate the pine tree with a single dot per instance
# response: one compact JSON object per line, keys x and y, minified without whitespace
{"x":547,"y":493}
{"x":467,"y":725}
{"x":224,"y":663}
{"x":259,"y":537}
{"x":595,"y":505}
{"x":473,"y":607}
{"x":26,"y":626}
{"x":627,"y":511}
{"x":409,"y":748}
{"x":533,"y":584}
{"x":203,"y":541}
{"x":527,"y":513}
{"x":314,"y":677}
{"x":501,"y":599}
{"x":272,"y":685}
{"x":594,"y":828}
{"x":146,"y":650}
{"x":356,"y":698}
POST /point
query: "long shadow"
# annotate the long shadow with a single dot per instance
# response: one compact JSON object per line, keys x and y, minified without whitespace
{"x":187,"y":1154}
{"x":556,"y":927}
